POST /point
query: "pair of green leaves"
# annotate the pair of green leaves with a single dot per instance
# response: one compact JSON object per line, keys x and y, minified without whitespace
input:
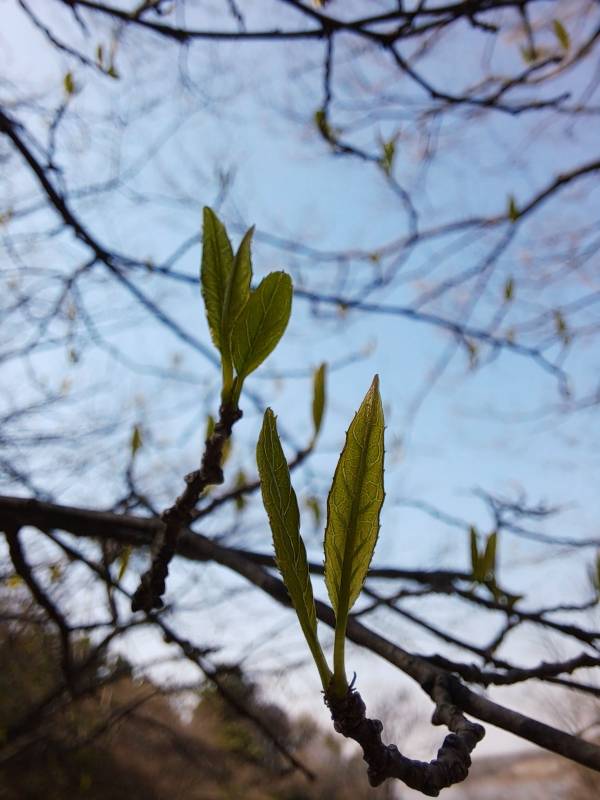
{"x":483,"y":568}
{"x":245,"y":325}
{"x":353,"y":509}
{"x":483,"y":563}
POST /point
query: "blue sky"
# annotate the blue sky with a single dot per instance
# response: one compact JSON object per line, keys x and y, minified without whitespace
{"x":287,"y":183}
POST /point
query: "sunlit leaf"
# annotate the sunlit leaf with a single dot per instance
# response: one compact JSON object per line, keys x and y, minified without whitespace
{"x":323,"y":125}
{"x":69,"y":84}
{"x":388,"y":155}
{"x":354,"y":505}
{"x":281,"y":505}
{"x":261,"y":323}
{"x":237,"y":292}
{"x":318,"y":403}
{"x":124,"y":561}
{"x":217,"y":263}
{"x":136,"y":440}
{"x":488,"y":561}
{"x":561,"y":34}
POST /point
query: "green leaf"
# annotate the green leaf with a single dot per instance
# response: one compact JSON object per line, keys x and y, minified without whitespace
{"x":262,"y":322}
{"x":124,"y":561}
{"x":318,"y":403}
{"x":237,"y":292}
{"x":353,"y":509}
{"x":561,"y":34}
{"x":513,"y":211}
{"x":488,"y":565}
{"x":217,"y":264}
{"x":509,"y":290}
{"x":387,"y":157}
{"x":323,"y":125}
{"x":136,"y":440}
{"x":281,"y":505}
{"x":69,"y":84}
{"x":529,"y":54}
{"x":100,"y":55}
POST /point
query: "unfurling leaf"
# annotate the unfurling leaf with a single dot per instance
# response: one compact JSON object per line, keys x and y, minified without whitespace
{"x":387,"y":157}
{"x":281,"y":505}
{"x":69,"y":84}
{"x":513,"y":211}
{"x":561,"y":34}
{"x":509,"y":290}
{"x":261,"y":323}
{"x":353,"y":509}
{"x":124,"y":561}
{"x":529,"y":54}
{"x":318,"y":403}
{"x":323,"y":125}
{"x":217,"y":263}
{"x":237,"y":292}
{"x":136,"y":440}
{"x":488,"y":561}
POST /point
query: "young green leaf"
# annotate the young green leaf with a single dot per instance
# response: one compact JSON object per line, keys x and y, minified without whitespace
{"x":323,"y":125}
{"x":281,"y":505}
{"x":261,"y":323}
{"x":69,"y":84}
{"x":513,"y":210}
{"x":124,"y":561}
{"x":561,"y":34}
{"x":318,"y":403}
{"x":488,"y":565}
{"x":509,"y":290}
{"x":136,"y":440}
{"x":353,"y":509}
{"x":474,"y":554}
{"x":387,"y":157}
{"x":217,"y":264}
{"x":237,"y":292}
